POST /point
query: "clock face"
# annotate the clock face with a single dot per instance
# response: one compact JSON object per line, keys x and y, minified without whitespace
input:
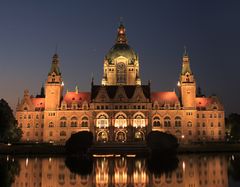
{"x":120,"y":66}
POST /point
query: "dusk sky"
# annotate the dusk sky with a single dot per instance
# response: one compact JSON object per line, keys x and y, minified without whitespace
{"x":84,"y":31}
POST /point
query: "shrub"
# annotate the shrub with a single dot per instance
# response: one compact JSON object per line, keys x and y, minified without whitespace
{"x":79,"y":142}
{"x":162,"y":142}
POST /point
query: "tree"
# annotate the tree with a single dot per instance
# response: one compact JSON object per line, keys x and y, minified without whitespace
{"x":9,"y":131}
{"x":160,"y":142}
{"x":233,"y":126}
{"x":79,"y":142}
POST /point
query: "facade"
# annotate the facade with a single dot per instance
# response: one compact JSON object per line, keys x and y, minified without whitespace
{"x":121,"y":108}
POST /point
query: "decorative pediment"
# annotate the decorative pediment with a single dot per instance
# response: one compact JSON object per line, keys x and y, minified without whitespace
{"x":120,"y":94}
{"x":138,"y":95}
{"x":102,"y":95}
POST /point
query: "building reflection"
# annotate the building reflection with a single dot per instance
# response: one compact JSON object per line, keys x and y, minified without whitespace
{"x":192,"y":171}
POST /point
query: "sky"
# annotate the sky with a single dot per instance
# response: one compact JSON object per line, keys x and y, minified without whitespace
{"x":84,"y":31}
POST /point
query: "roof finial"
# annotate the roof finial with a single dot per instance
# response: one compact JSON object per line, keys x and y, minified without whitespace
{"x":185,"y":51}
{"x":121,"y":36}
{"x":121,"y":20}
{"x":56,"y":48}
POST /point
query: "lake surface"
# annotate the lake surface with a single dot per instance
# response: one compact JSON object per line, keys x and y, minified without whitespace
{"x":206,"y":170}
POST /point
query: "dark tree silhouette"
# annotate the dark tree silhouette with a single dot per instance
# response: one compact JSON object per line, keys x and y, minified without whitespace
{"x":159,"y":164}
{"x":234,"y":167}
{"x":160,"y":142}
{"x":9,"y":131}
{"x":8,"y":170}
{"x":79,"y":142}
{"x":233,"y":125}
{"x":80,"y":165}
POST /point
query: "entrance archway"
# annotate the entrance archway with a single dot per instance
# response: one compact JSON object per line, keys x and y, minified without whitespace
{"x":139,"y":136}
{"x":102,"y":136}
{"x":121,"y":136}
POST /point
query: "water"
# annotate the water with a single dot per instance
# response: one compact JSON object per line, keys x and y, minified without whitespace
{"x":206,"y":170}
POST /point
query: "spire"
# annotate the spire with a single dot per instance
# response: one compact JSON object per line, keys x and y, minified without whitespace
{"x":76,"y":89}
{"x":55,"y":65}
{"x":185,"y":63}
{"x":121,"y":35}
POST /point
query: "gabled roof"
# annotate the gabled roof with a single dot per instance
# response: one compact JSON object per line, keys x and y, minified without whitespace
{"x":111,"y":90}
{"x":165,"y":97}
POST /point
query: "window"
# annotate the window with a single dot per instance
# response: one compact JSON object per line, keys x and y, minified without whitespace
{"x":63,"y":122}
{"x":29,"y":116}
{"x":37,"y":125}
{"x":177,"y":121}
{"x":167,"y":122}
{"x":102,"y":121}
{"x":74,"y":121}
{"x":121,"y":73}
{"x":189,"y":133}
{"x":189,"y":124}
{"x":156,"y":122}
{"x":139,"y":121}
{"x":120,"y":121}
{"x":28,"y":125}
{"x":211,"y":124}
{"x":50,"y":133}
{"x":63,"y":133}
{"x":84,"y":122}
{"x":219,"y":124}
{"x":203,"y":115}
{"x":50,"y":125}
{"x":203,"y":124}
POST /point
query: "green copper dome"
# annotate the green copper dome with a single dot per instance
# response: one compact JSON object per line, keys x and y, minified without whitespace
{"x":121,"y":48}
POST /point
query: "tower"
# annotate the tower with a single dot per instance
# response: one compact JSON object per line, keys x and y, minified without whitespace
{"x":187,"y":84}
{"x":121,"y":66}
{"x":53,"y":86}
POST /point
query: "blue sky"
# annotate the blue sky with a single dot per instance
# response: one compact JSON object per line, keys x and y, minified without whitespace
{"x":84,"y":31}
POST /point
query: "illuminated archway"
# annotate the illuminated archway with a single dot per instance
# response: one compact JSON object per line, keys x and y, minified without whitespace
{"x":139,"y":136}
{"x":121,"y":136}
{"x":102,"y":136}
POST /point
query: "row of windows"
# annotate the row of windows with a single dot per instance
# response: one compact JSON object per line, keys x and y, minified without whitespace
{"x":30,"y":116}
{"x":210,"y":115}
{"x":117,"y":107}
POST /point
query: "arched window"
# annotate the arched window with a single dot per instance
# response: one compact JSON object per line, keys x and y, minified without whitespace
{"x":50,"y":125}
{"x":120,"y":121}
{"x":156,"y":122}
{"x":189,"y":124}
{"x":63,"y":121}
{"x":121,"y":73}
{"x":139,"y":121}
{"x":84,"y":121}
{"x":178,"y":121}
{"x":102,"y":121}
{"x":74,"y":121}
{"x":63,"y":133}
{"x":167,"y":122}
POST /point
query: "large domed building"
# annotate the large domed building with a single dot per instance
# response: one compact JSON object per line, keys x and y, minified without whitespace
{"x":120,"y":109}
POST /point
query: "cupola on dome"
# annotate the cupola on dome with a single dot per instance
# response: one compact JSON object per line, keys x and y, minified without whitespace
{"x":121,"y":48}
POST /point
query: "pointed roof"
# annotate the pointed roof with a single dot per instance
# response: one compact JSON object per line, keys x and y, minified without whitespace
{"x":186,"y":63}
{"x":121,"y":47}
{"x":55,"y":65}
{"x":121,"y":35}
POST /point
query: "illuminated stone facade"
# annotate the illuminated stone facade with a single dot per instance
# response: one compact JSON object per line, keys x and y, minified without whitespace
{"x":121,"y":109}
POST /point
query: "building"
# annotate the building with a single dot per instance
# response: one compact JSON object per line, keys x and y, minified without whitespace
{"x":121,"y":108}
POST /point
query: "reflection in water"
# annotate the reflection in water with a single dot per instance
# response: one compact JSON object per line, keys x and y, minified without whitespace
{"x":9,"y":168}
{"x":191,"y":171}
